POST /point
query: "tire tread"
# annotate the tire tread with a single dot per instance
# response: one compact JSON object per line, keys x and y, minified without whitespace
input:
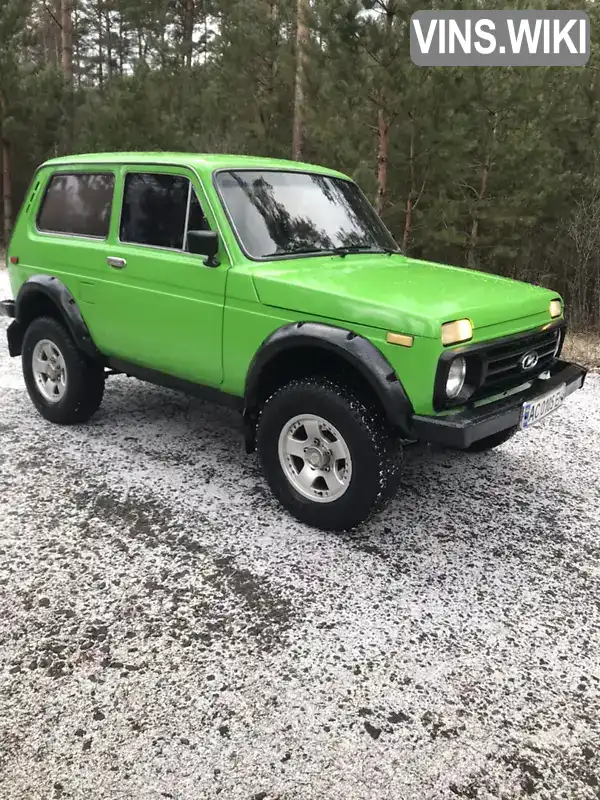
{"x":86,"y":377}
{"x":363,"y":414}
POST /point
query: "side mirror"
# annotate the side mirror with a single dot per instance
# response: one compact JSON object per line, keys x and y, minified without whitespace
{"x":204,"y":243}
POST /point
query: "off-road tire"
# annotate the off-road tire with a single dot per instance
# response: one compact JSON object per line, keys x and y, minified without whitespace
{"x":490,"y":442}
{"x":375,"y":452}
{"x":84,"y":381}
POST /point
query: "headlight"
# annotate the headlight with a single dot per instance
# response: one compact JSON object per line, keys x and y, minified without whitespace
{"x":555,"y":308}
{"x":461,"y":330}
{"x":456,"y":377}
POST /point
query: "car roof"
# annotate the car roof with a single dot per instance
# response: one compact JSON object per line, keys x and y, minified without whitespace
{"x":199,"y":161}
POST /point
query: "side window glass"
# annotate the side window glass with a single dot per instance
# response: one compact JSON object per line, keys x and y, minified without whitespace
{"x":196,"y":220}
{"x":78,"y":203}
{"x":155,"y":210}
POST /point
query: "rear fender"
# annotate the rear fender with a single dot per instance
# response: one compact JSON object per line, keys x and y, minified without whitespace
{"x":32,"y":301}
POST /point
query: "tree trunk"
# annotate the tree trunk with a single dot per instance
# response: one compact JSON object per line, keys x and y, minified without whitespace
{"x":414,"y":193}
{"x":109,"y":50}
{"x":409,"y":200}
{"x":7,"y":191}
{"x":382,"y":160}
{"x":383,"y":120}
{"x":66,"y":8}
{"x":299,"y":99}
{"x":485,"y":171}
{"x":266,"y":90}
{"x":188,"y":24}
{"x":275,"y":30}
{"x":205,"y":59}
{"x":120,"y":43}
{"x":77,"y":48}
{"x":485,"y":174}
{"x":100,"y":49}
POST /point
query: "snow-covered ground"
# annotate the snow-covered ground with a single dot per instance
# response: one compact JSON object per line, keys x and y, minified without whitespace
{"x":168,"y":632}
{"x":5,"y":290}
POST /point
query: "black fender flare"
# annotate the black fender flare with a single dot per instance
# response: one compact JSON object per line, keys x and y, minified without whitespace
{"x":65,"y":304}
{"x":356,"y":350}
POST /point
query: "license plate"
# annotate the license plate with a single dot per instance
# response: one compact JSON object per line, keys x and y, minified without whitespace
{"x":536,"y":410}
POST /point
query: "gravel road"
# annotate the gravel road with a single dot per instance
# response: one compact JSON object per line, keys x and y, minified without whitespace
{"x":168,"y":632}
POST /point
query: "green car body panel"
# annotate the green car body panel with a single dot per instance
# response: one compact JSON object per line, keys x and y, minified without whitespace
{"x":170,"y":313}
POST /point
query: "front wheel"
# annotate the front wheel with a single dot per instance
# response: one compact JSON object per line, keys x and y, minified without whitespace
{"x":328,"y":456}
{"x":63,"y":384}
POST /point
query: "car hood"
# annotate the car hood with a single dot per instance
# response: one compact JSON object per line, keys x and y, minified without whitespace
{"x":396,"y":293}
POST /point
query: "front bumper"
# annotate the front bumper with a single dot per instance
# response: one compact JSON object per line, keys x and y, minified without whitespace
{"x":466,"y":427}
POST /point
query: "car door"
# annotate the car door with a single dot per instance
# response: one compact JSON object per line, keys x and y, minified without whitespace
{"x":68,"y":219}
{"x":159,"y":306}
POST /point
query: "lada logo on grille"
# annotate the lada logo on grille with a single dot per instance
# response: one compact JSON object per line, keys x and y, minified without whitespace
{"x":529,"y":360}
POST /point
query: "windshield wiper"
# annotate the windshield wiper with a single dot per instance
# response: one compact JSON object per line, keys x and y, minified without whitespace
{"x":300,"y":251}
{"x":342,"y":251}
{"x":362,"y":248}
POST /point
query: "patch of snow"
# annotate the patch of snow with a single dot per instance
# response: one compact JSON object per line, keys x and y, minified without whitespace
{"x":167,"y":630}
{"x":5,"y":290}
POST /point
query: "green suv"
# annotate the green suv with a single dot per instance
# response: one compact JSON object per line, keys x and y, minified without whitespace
{"x":274,"y":287}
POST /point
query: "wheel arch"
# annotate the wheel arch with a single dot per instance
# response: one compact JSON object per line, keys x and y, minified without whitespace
{"x":301,"y":348}
{"x":45,"y":295}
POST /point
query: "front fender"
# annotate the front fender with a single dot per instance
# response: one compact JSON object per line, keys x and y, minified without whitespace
{"x":356,"y":350}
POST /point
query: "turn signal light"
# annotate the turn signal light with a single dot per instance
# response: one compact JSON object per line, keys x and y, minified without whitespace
{"x":400,"y":338}
{"x":461,"y":330}
{"x":555,"y":308}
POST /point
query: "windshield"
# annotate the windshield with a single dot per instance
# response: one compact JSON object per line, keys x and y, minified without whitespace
{"x":277,"y":213}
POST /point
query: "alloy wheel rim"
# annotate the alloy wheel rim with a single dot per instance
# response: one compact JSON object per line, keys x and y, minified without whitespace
{"x":49,"y":370}
{"x":315,"y":458}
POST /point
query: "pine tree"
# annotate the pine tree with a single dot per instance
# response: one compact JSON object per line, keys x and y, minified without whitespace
{"x":13,"y":16}
{"x":300,"y":82}
{"x":492,"y":168}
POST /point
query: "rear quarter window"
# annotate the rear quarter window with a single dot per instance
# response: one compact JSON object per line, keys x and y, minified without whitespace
{"x":78,"y":204}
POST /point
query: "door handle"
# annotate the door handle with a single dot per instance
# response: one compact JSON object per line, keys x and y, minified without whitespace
{"x":116,"y":263}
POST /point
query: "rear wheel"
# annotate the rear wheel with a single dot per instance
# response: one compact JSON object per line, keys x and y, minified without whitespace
{"x":63,"y":384}
{"x":328,"y":456}
{"x":490,"y":442}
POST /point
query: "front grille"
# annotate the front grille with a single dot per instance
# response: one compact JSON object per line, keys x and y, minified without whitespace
{"x":502,"y":368}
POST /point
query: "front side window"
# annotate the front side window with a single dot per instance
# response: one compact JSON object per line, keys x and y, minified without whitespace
{"x":278,"y":213}
{"x":78,"y":203}
{"x":158,"y":210}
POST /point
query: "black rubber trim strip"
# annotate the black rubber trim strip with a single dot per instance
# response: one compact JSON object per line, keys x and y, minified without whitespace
{"x":7,"y":308}
{"x":208,"y":393}
{"x":354,"y":349}
{"x":65,"y":303}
